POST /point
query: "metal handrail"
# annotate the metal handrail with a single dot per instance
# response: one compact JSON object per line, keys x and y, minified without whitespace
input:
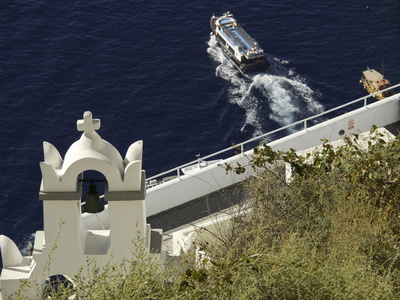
{"x":241,"y":145}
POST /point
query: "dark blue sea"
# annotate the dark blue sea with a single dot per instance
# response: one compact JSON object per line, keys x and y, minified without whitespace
{"x":150,"y":71}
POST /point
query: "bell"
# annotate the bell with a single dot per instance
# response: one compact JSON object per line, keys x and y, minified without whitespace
{"x":93,"y":203}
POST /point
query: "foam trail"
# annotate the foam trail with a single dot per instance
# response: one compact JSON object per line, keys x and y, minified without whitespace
{"x":282,"y":97}
{"x":306,"y":94}
{"x":240,"y":89}
{"x":281,"y":104}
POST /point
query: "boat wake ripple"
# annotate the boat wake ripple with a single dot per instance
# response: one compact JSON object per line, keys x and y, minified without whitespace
{"x":279,"y":96}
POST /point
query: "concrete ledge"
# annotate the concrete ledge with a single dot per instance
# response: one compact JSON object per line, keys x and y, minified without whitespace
{"x":38,"y":246}
{"x":156,"y":240}
{"x":127,"y":195}
{"x":60,"y":195}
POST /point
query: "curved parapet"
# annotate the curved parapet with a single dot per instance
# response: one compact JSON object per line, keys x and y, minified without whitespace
{"x":52,"y":156}
{"x":10,"y":254}
{"x":91,"y":152}
{"x":134,"y":153}
{"x":133,"y":165}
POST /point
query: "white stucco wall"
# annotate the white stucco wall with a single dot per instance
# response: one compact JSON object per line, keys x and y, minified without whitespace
{"x":212,"y":178}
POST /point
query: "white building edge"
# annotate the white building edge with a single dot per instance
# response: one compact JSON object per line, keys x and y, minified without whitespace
{"x":204,"y":177}
{"x":98,"y":235}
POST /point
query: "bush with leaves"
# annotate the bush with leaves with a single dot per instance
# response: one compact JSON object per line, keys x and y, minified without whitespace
{"x":331,"y":233}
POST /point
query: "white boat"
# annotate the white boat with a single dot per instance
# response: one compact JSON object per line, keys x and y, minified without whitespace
{"x":238,"y":45}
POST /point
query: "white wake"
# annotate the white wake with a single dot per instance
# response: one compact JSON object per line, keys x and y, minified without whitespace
{"x":279,"y":95}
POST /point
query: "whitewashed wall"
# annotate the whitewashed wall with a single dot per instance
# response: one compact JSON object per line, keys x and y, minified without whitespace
{"x":213,"y":178}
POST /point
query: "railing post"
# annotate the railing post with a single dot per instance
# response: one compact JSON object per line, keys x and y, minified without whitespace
{"x":198,"y":160}
{"x":365,"y":101}
{"x":305,"y":124}
{"x":178,"y":173}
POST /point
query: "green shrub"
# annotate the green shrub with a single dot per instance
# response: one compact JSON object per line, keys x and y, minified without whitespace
{"x":332,"y":233}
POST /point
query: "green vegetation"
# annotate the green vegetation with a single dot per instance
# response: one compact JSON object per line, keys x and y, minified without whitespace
{"x":332,"y":233}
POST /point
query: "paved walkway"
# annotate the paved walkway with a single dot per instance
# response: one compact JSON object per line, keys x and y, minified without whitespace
{"x":394,"y":128}
{"x":212,"y":203}
{"x":197,"y":209}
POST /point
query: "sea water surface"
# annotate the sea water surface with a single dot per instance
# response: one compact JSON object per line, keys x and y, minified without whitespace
{"x":150,"y":71}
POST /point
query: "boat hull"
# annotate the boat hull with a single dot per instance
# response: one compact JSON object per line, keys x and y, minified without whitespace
{"x":238,"y":46}
{"x":246,"y":68}
{"x":375,"y":83}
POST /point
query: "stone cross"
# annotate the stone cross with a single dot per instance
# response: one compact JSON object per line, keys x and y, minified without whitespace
{"x":88,"y":124}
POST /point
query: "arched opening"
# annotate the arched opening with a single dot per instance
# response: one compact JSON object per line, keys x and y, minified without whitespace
{"x":90,"y":179}
{"x":95,"y":221}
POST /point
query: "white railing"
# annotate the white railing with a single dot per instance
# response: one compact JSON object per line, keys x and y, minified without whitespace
{"x":152,"y":181}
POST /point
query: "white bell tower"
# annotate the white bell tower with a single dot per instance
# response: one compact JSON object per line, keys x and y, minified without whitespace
{"x":70,"y":237}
